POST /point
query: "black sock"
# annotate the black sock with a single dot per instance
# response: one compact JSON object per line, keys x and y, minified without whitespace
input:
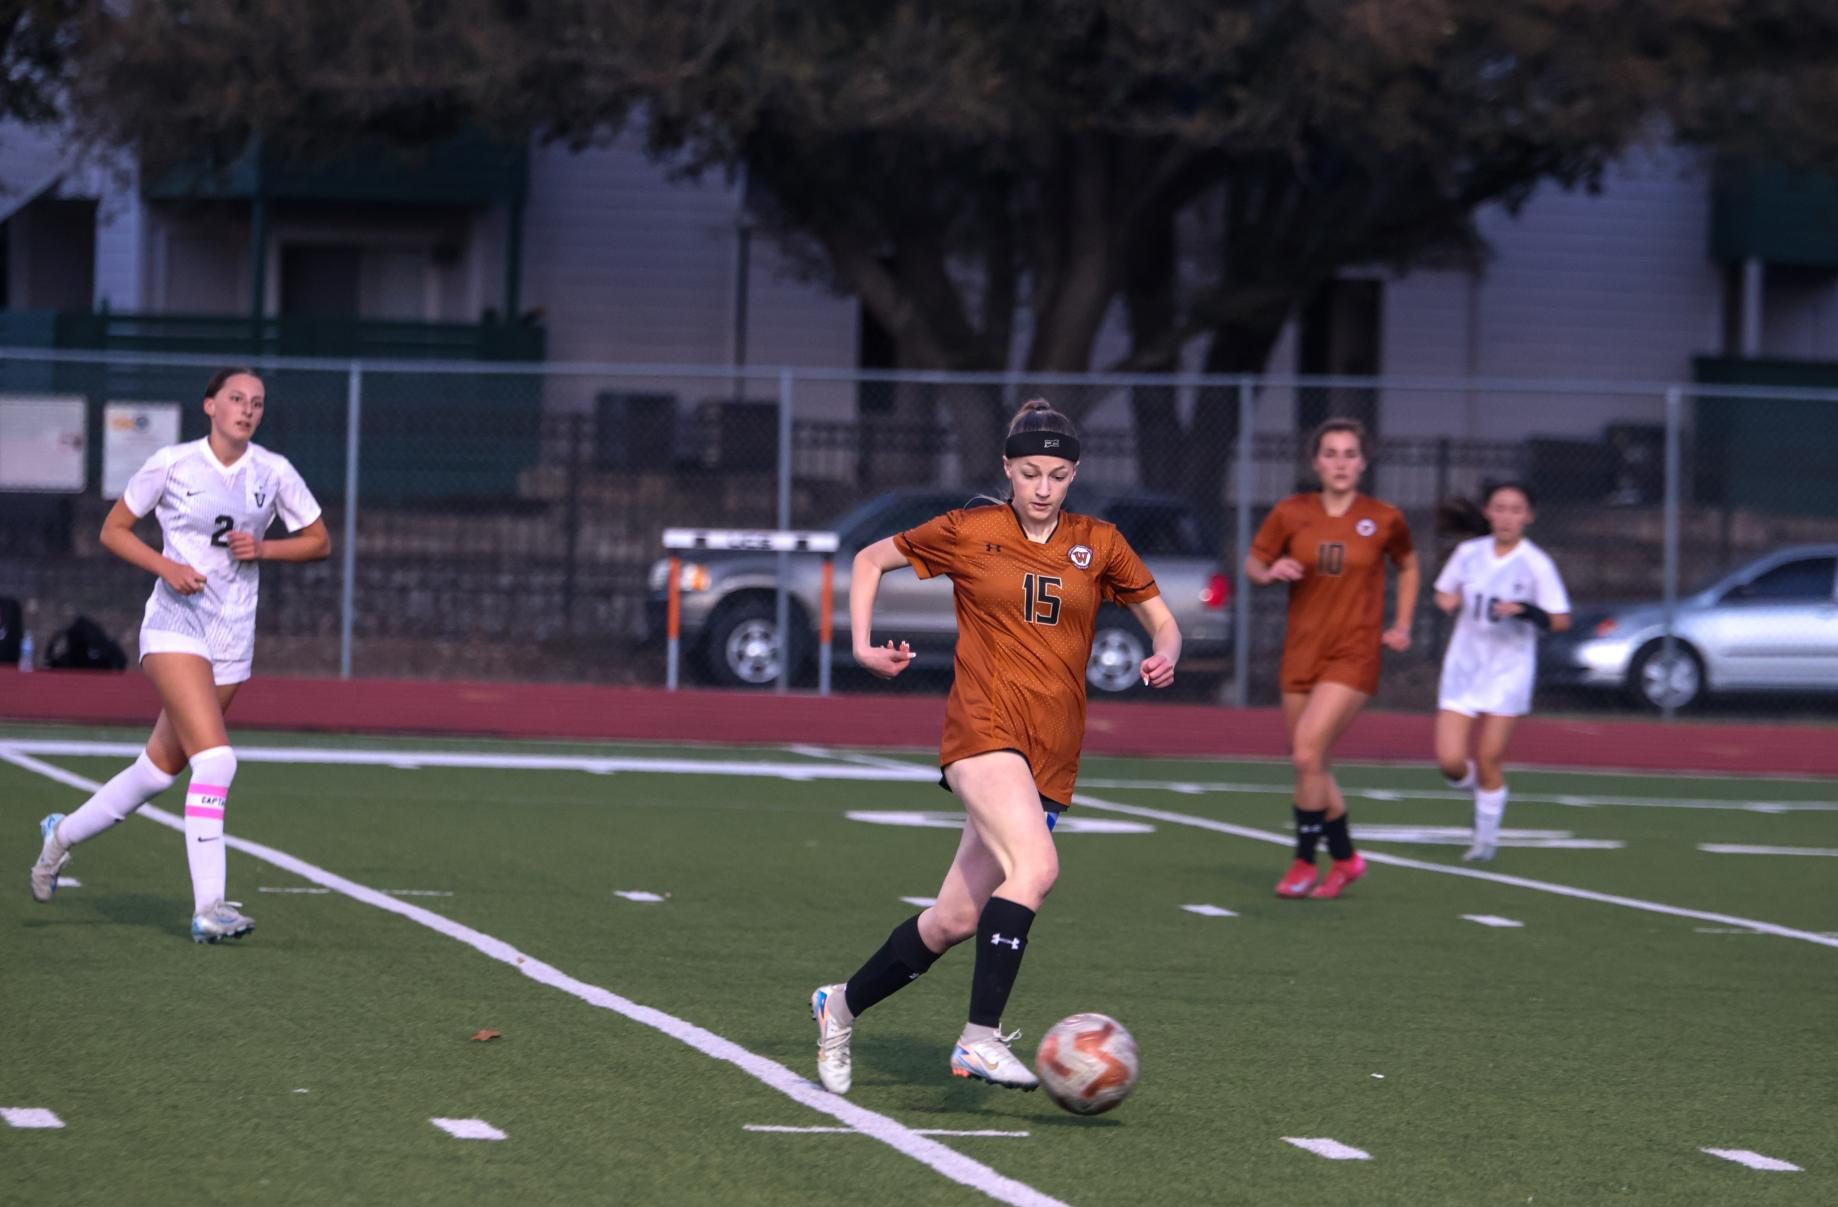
{"x":1339,"y":842}
{"x":1001,"y":941}
{"x":901,"y":960}
{"x":1308,"y":831}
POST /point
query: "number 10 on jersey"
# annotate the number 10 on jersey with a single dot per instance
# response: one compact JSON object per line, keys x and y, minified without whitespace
{"x":1041,"y":601}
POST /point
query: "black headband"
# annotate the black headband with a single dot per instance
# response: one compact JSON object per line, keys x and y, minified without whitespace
{"x":1042,"y":444}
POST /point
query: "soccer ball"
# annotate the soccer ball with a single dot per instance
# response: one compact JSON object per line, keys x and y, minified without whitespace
{"x":1087,"y":1063}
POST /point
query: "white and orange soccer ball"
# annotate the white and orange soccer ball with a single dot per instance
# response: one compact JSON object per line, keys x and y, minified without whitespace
{"x":1087,"y":1063}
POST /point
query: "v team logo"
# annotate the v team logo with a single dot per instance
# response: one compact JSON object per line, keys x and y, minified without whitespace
{"x":1081,"y":556}
{"x":1365,"y":527}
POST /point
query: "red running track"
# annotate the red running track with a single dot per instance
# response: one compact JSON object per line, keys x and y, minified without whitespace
{"x":575,"y":711}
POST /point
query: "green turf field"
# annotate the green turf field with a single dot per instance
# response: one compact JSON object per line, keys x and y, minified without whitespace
{"x":1587,"y":1055}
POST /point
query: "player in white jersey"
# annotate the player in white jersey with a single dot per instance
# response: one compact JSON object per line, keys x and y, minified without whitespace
{"x":1503,"y":591}
{"x":216,"y":499}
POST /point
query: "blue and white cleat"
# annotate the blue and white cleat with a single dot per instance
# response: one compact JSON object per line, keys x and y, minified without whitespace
{"x":834,"y":1067}
{"x":51,"y":859}
{"x":990,"y":1060}
{"x":222,"y":920}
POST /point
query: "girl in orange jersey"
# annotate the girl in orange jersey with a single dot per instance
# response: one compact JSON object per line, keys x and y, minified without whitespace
{"x":1330,"y":546}
{"x":1028,"y":579}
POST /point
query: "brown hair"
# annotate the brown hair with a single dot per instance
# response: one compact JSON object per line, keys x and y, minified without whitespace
{"x":222,"y":375}
{"x":1328,"y":427}
{"x":1038,"y":415}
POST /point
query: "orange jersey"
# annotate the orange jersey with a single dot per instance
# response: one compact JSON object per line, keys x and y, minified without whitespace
{"x":1025,"y":613}
{"x":1336,"y":610}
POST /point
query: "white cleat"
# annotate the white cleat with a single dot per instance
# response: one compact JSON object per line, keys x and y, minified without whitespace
{"x":834,"y":1066}
{"x":1480,"y":852}
{"x":990,"y":1060}
{"x":51,"y":859}
{"x":221,"y":920}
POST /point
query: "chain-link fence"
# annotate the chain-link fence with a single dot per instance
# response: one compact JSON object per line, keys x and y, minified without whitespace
{"x":504,"y":521}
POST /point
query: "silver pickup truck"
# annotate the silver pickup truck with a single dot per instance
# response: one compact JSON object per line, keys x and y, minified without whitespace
{"x":730,"y":635}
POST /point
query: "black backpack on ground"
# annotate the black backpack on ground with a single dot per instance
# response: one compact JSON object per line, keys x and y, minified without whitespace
{"x":85,"y":646}
{"x":12,"y":627}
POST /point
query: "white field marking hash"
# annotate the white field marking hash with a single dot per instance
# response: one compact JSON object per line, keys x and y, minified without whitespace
{"x":1754,"y":1160}
{"x":921,"y":902}
{"x":637,"y":894}
{"x":468,"y":1129}
{"x":305,"y":892}
{"x":1444,"y":869}
{"x":864,"y":768}
{"x":16,"y":753}
{"x":1492,"y":920}
{"x":782,"y":1130}
{"x":69,"y":882}
{"x":889,"y":1131}
{"x":1737,"y":848}
{"x":1333,"y":1150}
{"x":1209,"y":911}
{"x":29,"y":1116}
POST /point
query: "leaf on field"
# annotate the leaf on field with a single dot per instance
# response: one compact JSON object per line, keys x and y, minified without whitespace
{"x":486,"y":1034}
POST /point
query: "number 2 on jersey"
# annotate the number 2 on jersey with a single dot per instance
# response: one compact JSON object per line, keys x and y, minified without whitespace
{"x":1042,"y":603}
{"x":224,"y":524}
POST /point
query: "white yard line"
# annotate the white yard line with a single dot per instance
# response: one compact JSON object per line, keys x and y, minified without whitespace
{"x":889,"y":1131}
{"x":1493,"y":920}
{"x":468,"y":1129}
{"x":1209,"y":911}
{"x":857,"y":767}
{"x":1737,"y":848}
{"x":1443,"y":869}
{"x":782,"y":1130}
{"x":29,"y":1117}
{"x":16,"y":752}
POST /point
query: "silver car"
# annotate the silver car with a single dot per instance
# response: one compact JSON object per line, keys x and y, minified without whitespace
{"x":730,"y":633}
{"x":1771,"y":626}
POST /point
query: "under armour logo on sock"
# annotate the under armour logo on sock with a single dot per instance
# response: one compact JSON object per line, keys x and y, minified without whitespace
{"x":1014,"y":943}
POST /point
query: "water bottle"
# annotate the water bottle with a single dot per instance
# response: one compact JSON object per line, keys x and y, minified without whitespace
{"x":25,"y":651}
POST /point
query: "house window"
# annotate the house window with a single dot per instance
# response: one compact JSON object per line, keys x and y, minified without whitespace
{"x":351,"y":280}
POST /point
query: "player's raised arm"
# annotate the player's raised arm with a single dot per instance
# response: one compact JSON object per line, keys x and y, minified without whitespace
{"x":864,"y":583}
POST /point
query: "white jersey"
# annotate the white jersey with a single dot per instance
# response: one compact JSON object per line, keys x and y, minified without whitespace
{"x":200,"y":501}
{"x":1491,"y":664}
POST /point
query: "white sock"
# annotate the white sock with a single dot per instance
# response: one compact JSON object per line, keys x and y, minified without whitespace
{"x":206,"y":797}
{"x":1466,"y":781}
{"x":117,"y":799}
{"x":1489,"y":809}
{"x":972,"y":1033}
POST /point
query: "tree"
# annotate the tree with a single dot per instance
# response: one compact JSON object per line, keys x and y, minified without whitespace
{"x":995,"y":180}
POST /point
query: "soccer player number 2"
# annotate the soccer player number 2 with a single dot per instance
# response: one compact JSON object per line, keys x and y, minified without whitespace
{"x":224,"y":524}
{"x":1042,"y":603}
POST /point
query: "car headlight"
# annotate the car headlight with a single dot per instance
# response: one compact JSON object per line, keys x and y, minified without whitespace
{"x":693,"y":576}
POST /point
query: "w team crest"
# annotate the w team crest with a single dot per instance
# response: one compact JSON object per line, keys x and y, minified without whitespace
{"x":1081,"y":556}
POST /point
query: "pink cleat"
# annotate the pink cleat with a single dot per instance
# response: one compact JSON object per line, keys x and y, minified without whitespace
{"x":1343,"y":873}
{"x":1297,"y":880}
